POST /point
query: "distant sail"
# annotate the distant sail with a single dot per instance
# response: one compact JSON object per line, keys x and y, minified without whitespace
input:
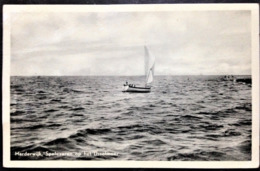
{"x":149,"y":66}
{"x":146,"y":60}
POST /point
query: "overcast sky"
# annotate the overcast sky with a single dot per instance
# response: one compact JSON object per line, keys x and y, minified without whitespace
{"x":112,"y":43}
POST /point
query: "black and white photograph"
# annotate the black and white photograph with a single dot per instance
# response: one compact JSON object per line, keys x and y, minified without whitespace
{"x":162,"y":85}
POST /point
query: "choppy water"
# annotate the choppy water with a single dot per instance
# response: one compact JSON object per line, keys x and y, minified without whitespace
{"x":90,"y":118}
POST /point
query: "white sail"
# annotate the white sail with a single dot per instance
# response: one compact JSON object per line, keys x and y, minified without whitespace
{"x":149,"y":72}
{"x":149,"y":78}
{"x":146,"y":61}
{"x":150,"y":63}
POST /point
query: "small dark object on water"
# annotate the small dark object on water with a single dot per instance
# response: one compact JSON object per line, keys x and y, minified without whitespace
{"x":244,"y":80}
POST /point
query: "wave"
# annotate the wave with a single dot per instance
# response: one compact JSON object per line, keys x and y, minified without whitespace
{"x":58,"y":141}
{"x":41,"y":92}
{"x":128,"y":113}
{"x":245,"y":122}
{"x":245,"y":146}
{"x":33,"y":127}
{"x":80,"y":137}
{"x":30,"y":148}
{"x":211,"y":127}
{"x":91,"y":113}
{"x":95,"y":131}
{"x":54,"y":125}
{"x":68,"y":90}
{"x":77,"y":108}
{"x":221,"y":113}
{"x":17,"y":112}
{"x":226,"y":133}
{"x":156,"y":142}
{"x":199,"y":156}
{"x":19,"y":90}
{"x":77,"y":91}
{"x":231,"y":132}
{"x":56,"y":100}
{"x":135,"y":137}
{"x":18,"y":86}
{"x":50,"y":110}
{"x":242,"y":123}
{"x":89,"y":103}
{"x":64,"y":107}
{"x":191,"y":117}
{"x":41,"y":97}
{"x":246,"y":107}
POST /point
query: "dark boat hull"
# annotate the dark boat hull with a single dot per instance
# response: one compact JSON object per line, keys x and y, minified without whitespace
{"x":137,"y":89}
{"x":244,"y":80}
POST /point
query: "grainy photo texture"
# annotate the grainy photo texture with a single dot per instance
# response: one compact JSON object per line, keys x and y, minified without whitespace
{"x":171,"y":85}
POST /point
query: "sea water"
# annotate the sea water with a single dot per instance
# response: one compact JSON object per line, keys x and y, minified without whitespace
{"x":192,"y":118}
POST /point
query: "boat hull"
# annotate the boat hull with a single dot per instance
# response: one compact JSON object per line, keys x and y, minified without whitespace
{"x":137,"y":89}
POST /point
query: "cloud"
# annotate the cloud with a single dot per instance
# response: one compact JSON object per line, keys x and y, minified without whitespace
{"x":206,"y":42}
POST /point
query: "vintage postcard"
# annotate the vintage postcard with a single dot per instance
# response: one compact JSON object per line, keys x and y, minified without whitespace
{"x":139,"y":86}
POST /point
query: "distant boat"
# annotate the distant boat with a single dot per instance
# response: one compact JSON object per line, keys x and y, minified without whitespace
{"x":244,"y":80}
{"x":236,"y":79}
{"x":149,"y":72}
{"x":228,"y":78}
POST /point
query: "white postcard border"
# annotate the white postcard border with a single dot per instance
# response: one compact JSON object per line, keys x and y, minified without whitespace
{"x":254,"y":8}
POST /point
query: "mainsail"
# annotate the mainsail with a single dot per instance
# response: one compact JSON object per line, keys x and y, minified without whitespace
{"x":149,"y":66}
{"x":149,"y":72}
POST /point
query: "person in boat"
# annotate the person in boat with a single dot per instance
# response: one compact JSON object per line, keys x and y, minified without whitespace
{"x":126,"y":84}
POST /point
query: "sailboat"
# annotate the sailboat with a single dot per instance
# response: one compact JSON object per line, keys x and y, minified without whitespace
{"x":149,"y":72}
